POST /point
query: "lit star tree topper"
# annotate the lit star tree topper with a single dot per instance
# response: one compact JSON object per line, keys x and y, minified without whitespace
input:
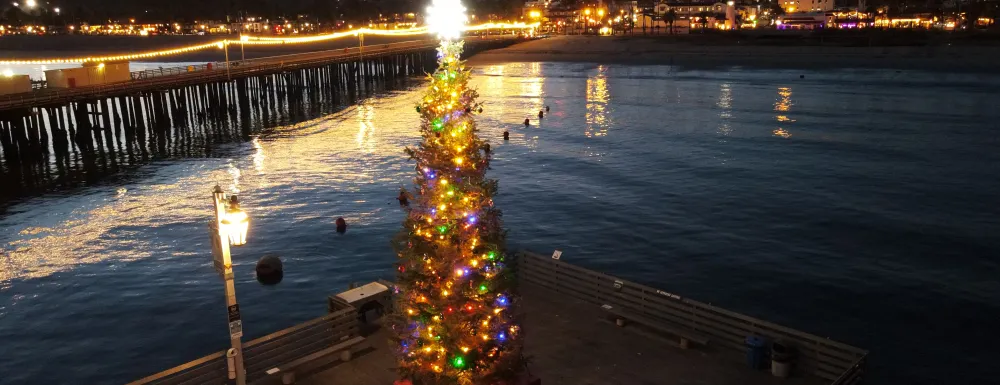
{"x":456,"y":310}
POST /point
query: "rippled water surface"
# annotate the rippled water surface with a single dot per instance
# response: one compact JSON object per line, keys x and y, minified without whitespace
{"x":859,"y":205}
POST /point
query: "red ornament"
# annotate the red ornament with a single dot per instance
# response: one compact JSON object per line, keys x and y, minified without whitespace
{"x":402,"y":382}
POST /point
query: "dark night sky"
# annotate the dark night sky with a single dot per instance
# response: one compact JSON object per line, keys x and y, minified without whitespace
{"x":155,"y":10}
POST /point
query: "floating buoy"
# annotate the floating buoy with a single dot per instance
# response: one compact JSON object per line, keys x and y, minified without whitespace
{"x":270,"y":270}
{"x":341,"y":225}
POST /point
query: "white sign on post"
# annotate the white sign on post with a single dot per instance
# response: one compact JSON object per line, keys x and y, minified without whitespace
{"x":236,"y":329}
{"x":557,"y":254}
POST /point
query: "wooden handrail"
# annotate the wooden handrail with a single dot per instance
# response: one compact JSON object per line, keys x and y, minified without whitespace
{"x":178,"y":369}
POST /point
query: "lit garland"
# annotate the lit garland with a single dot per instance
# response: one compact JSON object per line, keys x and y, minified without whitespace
{"x":456,"y":323}
{"x":257,"y":40}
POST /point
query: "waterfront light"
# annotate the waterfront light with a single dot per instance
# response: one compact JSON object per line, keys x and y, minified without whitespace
{"x":235,"y":223}
{"x":446,"y":18}
{"x":31,"y":3}
{"x":457,"y":24}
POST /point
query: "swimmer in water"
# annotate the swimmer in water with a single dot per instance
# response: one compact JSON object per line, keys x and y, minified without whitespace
{"x":403,"y":199}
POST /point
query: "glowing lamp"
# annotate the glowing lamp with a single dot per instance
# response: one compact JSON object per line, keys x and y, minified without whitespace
{"x":446,"y":19}
{"x":235,"y":223}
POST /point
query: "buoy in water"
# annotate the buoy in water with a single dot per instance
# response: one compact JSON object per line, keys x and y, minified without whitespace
{"x":341,"y":225}
{"x":270,"y":270}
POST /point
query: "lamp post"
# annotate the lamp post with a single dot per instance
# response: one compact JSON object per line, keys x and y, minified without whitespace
{"x":243,"y":41}
{"x":229,"y":228}
{"x":225,"y":43}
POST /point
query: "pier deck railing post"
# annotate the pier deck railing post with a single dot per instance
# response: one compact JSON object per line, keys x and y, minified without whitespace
{"x":221,"y":228}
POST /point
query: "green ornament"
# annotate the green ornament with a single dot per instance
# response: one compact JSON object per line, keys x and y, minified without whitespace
{"x":418,"y":108}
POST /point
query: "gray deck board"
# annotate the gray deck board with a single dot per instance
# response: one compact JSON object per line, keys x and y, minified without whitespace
{"x":568,"y":344}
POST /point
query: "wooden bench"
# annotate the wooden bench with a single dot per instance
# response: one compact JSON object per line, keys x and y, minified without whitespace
{"x":287,"y":370}
{"x":686,"y":336}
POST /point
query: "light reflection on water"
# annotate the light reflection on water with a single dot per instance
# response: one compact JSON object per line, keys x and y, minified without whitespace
{"x":783,"y":106}
{"x":814,"y":230}
{"x":597,"y":103}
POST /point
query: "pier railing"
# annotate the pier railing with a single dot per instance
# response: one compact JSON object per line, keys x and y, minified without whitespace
{"x":265,"y":352}
{"x":833,"y":361}
{"x":726,"y":331}
{"x":170,"y":71}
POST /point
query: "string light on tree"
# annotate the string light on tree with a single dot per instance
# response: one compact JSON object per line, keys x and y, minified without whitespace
{"x":458,"y":325}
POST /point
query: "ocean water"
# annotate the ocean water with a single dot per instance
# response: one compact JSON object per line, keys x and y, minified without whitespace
{"x":855,"y":204}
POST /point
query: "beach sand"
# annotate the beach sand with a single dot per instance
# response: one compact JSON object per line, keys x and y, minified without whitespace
{"x":692,"y":51}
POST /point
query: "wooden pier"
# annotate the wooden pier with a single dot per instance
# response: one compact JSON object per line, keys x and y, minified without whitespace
{"x":568,"y":336}
{"x":62,"y":136}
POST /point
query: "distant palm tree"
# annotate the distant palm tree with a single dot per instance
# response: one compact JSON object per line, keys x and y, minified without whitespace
{"x":669,"y":17}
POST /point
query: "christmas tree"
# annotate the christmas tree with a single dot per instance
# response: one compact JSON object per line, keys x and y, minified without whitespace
{"x":456,"y":311}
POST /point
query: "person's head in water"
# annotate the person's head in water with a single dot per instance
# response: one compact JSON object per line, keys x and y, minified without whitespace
{"x":541,"y":114}
{"x":506,"y":135}
{"x":546,"y":108}
{"x":341,"y":225}
{"x":527,"y":122}
{"x":403,"y":200}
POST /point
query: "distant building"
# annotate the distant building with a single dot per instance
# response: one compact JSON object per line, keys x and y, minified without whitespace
{"x":805,"y":20}
{"x":793,"y":6}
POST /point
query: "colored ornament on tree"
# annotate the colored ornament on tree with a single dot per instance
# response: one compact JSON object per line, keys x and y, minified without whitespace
{"x":456,"y":320}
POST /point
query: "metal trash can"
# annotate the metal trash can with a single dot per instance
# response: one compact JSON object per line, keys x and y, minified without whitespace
{"x":781,"y":360}
{"x":755,"y":352}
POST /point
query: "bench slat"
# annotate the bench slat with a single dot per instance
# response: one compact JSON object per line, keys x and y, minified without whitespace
{"x":661,"y":326}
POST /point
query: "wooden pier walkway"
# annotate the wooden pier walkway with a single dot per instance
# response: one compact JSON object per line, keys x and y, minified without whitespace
{"x":65,"y":137}
{"x":568,"y":338}
{"x":568,"y":343}
{"x":237,"y":69}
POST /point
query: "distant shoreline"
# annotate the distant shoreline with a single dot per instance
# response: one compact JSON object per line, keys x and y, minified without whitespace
{"x":688,"y":52}
{"x":684,"y":51}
